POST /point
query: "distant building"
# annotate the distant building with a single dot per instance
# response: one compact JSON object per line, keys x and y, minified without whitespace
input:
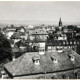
{"x":60,"y":22}
{"x":16,"y":37}
{"x":10,"y":30}
{"x":61,"y":44}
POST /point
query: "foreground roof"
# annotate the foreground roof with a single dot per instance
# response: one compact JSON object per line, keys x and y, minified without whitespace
{"x":24,"y":65}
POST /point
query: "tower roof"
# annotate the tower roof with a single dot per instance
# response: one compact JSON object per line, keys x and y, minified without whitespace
{"x":60,"y":22}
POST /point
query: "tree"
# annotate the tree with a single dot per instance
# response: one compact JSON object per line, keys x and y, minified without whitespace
{"x":5,"y":48}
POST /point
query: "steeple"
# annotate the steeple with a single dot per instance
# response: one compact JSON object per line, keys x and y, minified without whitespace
{"x":60,"y":22}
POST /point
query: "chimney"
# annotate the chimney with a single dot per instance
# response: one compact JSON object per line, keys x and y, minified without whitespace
{"x":42,"y":48}
{"x":13,"y":57}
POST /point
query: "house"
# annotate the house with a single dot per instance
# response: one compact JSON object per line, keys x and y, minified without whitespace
{"x":62,"y":37}
{"x":16,"y":37}
{"x":49,"y":65}
{"x":21,"y":29}
{"x":71,"y":44}
{"x":10,"y":30}
{"x":22,"y":46}
{"x":40,"y":35}
{"x":65,"y":29}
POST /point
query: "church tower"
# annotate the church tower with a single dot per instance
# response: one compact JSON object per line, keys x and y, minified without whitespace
{"x":60,"y":22}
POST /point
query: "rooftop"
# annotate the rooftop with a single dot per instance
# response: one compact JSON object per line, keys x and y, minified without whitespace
{"x":16,"y":35}
{"x":24,"y":65}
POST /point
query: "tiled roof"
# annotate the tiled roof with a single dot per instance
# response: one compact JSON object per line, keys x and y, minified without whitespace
{"x":39,"y":32}
{"x":11,"y":28}
{"x":21,"y":43}
{"x":15,"y":49}
{"x":24,"y":65}
{"x":16,"y":35}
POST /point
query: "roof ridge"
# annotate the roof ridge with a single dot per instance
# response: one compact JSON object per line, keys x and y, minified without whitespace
{"x":19,"y":65}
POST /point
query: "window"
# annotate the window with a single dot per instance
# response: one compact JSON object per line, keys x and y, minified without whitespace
{"x":63,"y":42}
{"x":70,"y":42}
{"x":49,"y":47}
{"x":72,"y":58}
{"x":77,"y":42}
{"x":67,"y":42}
{"x":74,"y":42}
{"x":54,"y":59}
{"x":36,"y":62}
{"x":42,"y":51}
{"x":69,"y":47}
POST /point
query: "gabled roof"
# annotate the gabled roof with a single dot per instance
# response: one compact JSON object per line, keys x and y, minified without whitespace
{"x":14,"y":28}
{"x":24,"y":65}
{"x":21,"y":43}
{"x":18,"y":28}
{"x":15,"y":49}
{"x":16,"y":35}
{"x":39,"y":32}
{"x":11,"y":28}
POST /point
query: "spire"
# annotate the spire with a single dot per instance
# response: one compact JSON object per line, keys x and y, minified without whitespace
{"x":60,"y":22}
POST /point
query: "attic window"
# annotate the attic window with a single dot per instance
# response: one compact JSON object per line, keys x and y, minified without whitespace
{"x":67,"y":42}
{"x":74,"y":42}
{"x":77,"y":42}
{"x":54,"y":59}
{"x":70,"y":42}
{"x":41,"y":51}
{"x":49,"y":48}
{"x":69,"y":47}
{"x":36,"y":60}
{"x":72,"y":58}
{"x":63,"y":42}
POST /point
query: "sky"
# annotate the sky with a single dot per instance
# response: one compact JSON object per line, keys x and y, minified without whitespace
{"x":40,"y":11}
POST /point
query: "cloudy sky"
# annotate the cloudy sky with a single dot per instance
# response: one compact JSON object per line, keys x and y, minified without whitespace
{"x":40,"y":11}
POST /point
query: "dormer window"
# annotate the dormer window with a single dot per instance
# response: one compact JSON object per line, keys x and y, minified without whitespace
{"x":49,"y":48}
{"x":77,"y":42}
{"x":63,"y":42}
{"x":12,"y":45}
{"x":22,"y":47}
{"x":70,"y":42}
{"x":36,"y":60}
{"x":54,"y":59}
{"x":41,"y":51}
{"x":67,"y":42}
{"x":74,"y":42}
{"x":72,"y":58}
{"x":69,"y":47}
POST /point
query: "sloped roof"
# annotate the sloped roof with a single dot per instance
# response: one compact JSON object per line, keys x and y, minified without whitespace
{"x":21,"y":43}
{"x":39,"y":32}
{"x":24,"y":64}
{"x":16,"y":35}
{"x":11,"y":28}
{"x":15,"y":49}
